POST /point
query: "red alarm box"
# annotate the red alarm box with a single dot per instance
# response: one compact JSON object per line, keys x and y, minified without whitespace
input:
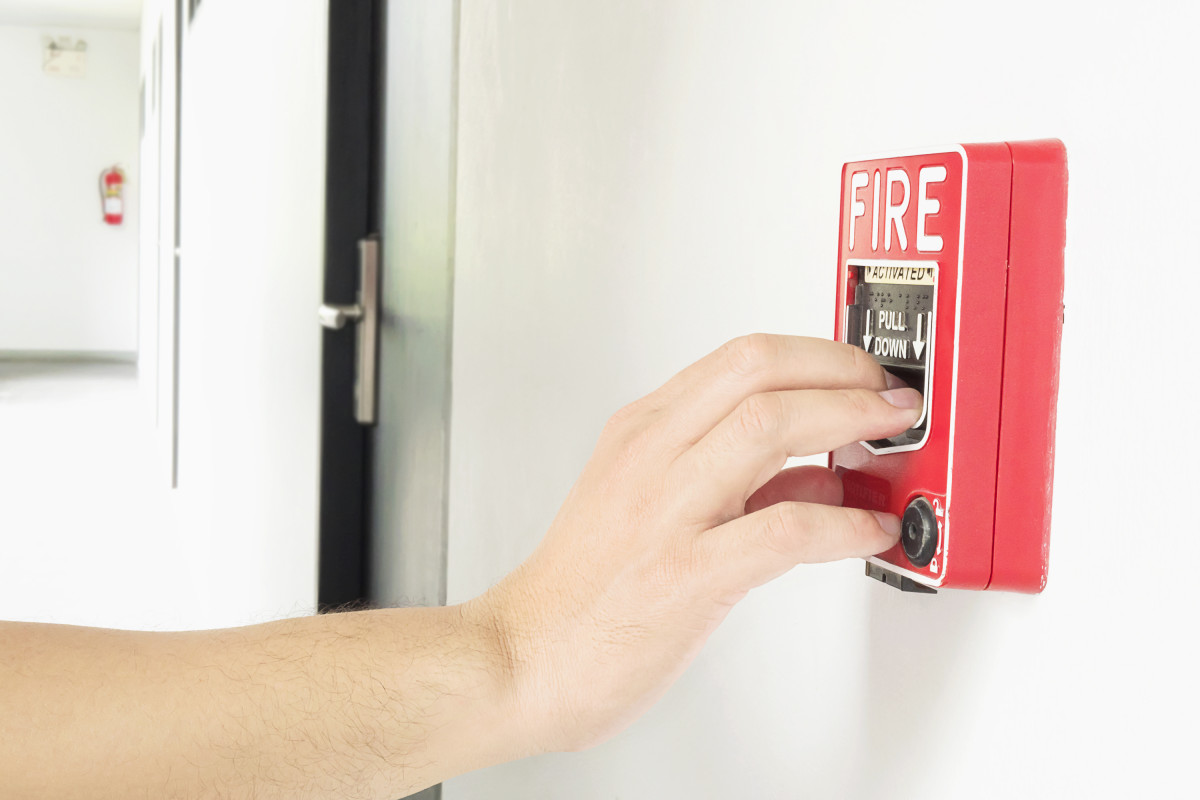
{"x":950,"y":273}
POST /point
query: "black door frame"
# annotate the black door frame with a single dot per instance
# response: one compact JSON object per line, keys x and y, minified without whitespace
{"x":353,"y":203}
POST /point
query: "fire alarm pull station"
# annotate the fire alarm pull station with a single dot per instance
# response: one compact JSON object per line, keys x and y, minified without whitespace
{"x":950,"y":273}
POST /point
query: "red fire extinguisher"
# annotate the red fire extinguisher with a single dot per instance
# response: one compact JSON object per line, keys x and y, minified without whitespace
{"x":112,"y":181}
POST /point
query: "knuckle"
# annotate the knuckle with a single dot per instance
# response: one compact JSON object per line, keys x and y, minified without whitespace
{"x":759,"y":415}
{"x":860,"y":524}
{"x":614,"y":427}
{"x":748,"y":355}
{"x":861,"y":363}
{"x":625,"y":421}
{"x":861,"y":402}
{"x":627,"y":411}
{"x":630,"y":454}
{"x":779,"y":526}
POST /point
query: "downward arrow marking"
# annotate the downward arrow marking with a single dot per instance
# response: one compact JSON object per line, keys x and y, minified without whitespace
{"x":919,"y":344}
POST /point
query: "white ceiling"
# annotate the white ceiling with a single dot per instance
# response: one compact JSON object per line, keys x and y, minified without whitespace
{"x":72,"y":13}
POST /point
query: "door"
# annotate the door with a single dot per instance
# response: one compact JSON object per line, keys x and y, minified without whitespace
{"x":386,"y":356}
{"x":353,"y":202}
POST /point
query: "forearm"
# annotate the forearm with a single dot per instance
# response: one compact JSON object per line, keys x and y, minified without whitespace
{"x":366,"y":704}
{"x":684,"y":508}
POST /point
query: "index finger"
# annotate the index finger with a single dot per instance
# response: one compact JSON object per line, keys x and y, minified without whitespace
{"x":702,"y":395}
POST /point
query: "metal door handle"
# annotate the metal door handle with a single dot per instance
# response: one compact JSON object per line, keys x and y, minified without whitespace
{"x":366,"y":314}
{"x":335,"y":317}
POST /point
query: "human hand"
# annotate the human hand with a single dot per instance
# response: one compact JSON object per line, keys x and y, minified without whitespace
{"x":682,"y":509}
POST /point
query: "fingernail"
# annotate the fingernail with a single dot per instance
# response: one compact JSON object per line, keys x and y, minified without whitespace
{"x":889,"y":522}
{"x":893,"y":382}
{"x":902,"y":398}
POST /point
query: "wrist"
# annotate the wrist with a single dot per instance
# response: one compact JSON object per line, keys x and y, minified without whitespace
{"x":487,"y":624}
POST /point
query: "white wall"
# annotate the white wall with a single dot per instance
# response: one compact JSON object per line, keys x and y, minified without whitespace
{"x":252,"y":210}
{"x":68,"y":281}
{"x":639,"y":182}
